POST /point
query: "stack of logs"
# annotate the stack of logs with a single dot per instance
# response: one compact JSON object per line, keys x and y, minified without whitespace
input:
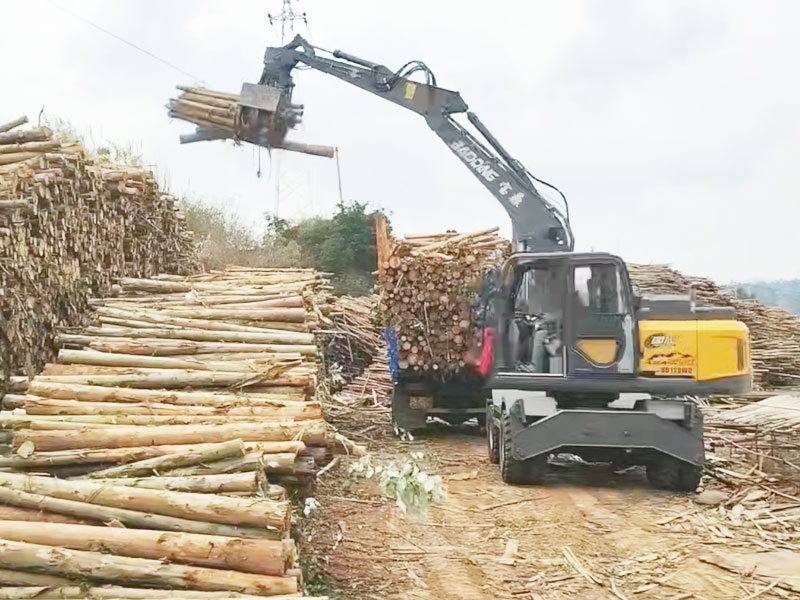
{"x":158,"y":451}
{"x":219,"y":116}
{"x":354,"y":338}
{"x":774,"y":332}
{"x":430,"y":284}
{"x":69,"y":225}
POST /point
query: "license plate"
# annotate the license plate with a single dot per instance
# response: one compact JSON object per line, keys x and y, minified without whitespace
{"x":420,"y":402}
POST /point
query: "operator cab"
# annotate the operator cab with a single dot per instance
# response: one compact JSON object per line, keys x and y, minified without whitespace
{"x":566,"y":314}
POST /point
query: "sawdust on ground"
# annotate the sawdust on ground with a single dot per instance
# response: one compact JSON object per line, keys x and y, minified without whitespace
{"x":586,"y":533}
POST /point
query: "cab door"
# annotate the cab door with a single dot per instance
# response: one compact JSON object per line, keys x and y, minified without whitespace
{"x":600,"y":329}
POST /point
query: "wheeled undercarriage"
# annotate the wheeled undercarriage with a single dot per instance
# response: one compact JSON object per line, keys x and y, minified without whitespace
{"x":524,"y":428}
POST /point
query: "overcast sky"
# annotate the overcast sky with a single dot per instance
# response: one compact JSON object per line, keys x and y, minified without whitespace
{"x":672,"y":126}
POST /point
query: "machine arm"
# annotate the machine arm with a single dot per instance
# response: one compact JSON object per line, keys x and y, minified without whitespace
{"x":538,"y":224}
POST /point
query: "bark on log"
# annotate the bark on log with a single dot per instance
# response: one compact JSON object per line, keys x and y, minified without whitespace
{"x":268,"y":369}
{"x":12,"y":124}
{"x":109,"y":567}
{"x":91,"y":393}
{"x":13,"y":577}
{"x":19,"y":513}
{"x":202,"y":484}
{"x":169,"y":347}
{"x":112,"y":592}
{"x":159,"y":464}
{"x":174,"y":378}
{"x":252,"y":461}
{"x":273,"y":338}
{"x":200,"y":507}
{"x":291,"y":315}
{"x":34,"y":405}
{"x":161,"y":317}
{"x":267,"y":557}
{"x":93,"y":357}
{"x":127,"y":455}
{"x":66,"y":422}
{"x":124,"y":516}
{"x":128,"y":517}
{"x":40,"y":134}
{"x":123,"y":437}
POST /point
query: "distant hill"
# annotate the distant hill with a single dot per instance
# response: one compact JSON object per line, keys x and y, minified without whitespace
{"x":783,"y":293}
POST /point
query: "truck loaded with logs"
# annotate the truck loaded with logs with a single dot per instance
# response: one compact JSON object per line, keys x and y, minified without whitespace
{"x":565,"y":356}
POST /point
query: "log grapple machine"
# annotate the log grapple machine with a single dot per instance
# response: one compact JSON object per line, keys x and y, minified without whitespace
{"x":575,"y":361}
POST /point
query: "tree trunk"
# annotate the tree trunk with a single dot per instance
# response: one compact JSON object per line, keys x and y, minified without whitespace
{"x":113,"y":592}
{"x":93,"y":357}
{"x":158,"y":317}
{"x":267,"y":557}
{"x":122,"y":437}
{"x":201,"y":484}
{"x":12,"y":124}
{"x":127,"y":455}
{"x":109,"y":567}
{"x":154,"y":466}
{"x":11,"y":577}
{"x":127,"y":517}
{"x":19,"y":513}
{"x":200,"y":507}
{"x":173,"y":345}
{"x":34,"y":405}
{"x":92,"y":393}
{"x":252,"y":461}
{"x":292,"y":369}
{"x":40,"y":134}
{"x":174,"y":378}
{"x":276,"y":338}
{"x":290,"y":315}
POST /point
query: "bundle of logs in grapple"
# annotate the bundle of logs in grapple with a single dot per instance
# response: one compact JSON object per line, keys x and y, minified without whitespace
{"x":430,"y":284}
{"x":69,"y":225}
{"x":774,"y":332}
{"x":220,"y":116}
{"x":157,"y":452}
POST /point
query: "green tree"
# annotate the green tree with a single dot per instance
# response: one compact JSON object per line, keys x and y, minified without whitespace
{"x":343,"y":245}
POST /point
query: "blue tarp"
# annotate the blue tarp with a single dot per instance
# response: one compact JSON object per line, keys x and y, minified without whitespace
{"x":390,"y":335}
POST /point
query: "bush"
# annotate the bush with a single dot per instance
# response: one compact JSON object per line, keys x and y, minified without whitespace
{"x":222,"y":238}
{"x":342,"y":245}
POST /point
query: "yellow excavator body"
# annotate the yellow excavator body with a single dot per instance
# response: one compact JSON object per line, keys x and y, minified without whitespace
{"x":703,"y":350}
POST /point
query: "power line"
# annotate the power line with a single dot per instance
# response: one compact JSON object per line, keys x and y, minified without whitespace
{"x":124,"y":41}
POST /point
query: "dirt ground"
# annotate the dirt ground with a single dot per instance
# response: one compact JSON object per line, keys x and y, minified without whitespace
{"x":586,"y":533}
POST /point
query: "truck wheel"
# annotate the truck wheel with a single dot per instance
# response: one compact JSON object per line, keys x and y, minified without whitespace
{"x":513,"y":471}
{"x":492,"y":435}
{"x":667,"y":473}
{"x":403,"y":416}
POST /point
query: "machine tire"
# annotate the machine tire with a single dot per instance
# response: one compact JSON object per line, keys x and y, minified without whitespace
{"x":492,"y":434}
{"x":667,"y":473}
{"x":513,"y":471}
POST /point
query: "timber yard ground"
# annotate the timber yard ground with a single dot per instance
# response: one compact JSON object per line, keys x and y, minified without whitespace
{"x":588,"y":532}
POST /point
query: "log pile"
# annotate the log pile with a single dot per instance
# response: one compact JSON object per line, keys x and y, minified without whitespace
{"x":69,"y":226}
{"x":753,"y":456}
{"x":158,"y":451}
{"x":362,"y":408}
{"x":354,"y":338}
{"x":219,"y":116}
{"x":774,"y":332}
{"x":429,"y":287}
